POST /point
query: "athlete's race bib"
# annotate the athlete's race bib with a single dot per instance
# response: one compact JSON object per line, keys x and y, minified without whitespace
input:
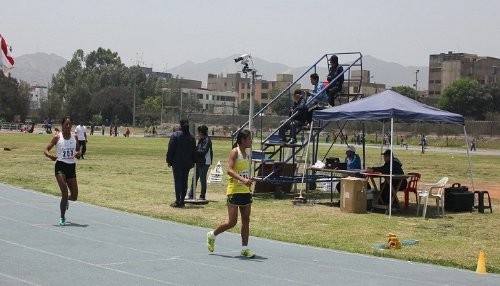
{"x":245,"y":174}
{"x":68,"y":153}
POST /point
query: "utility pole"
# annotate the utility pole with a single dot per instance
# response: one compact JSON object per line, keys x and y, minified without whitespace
{"x":133,"y":110}
{"x":161,"y":112}
{"x":416,"y":83}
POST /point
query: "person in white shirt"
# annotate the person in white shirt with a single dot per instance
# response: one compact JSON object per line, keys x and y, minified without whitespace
{"x":81,"y":134}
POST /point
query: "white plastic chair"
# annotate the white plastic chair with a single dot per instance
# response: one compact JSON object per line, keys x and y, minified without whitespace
{"x":435,"y":191}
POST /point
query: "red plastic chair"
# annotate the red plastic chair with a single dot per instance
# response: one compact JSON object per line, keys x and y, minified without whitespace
{"x":412,"y":187}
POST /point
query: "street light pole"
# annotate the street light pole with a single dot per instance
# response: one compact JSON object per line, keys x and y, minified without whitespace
{"x":416,"y":83}
{"x":161,"y":112}
{"x":133,"y":111}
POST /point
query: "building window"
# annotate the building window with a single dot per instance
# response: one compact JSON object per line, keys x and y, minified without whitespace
{"x":265,"y":85}
{"x":264,"y":95}
{"x":242,"y":96}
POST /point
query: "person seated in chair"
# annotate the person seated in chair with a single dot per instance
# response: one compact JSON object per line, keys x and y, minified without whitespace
{"x":336,"y":87}
{"x":298,"y":117}
{"x":352,"y":160}
{"x":397,"y":169}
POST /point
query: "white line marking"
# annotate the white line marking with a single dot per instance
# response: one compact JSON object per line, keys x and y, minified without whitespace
{"x":19,"y":279}
{"x":87,"y":263}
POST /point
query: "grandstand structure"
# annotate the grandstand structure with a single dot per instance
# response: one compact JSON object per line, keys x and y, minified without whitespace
{"x":276,"y":165}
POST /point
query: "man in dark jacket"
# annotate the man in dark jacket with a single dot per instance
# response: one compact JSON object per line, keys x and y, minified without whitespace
{"x":336,"y":87}
{"x":181,"y":156}
{"x":298,"y":114}
{"x":397,"y":169}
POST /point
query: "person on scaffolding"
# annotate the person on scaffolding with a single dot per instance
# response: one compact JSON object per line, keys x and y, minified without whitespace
{"x":336,"y":87}
{"x":321,"y":99}
{"x":298,"y":118}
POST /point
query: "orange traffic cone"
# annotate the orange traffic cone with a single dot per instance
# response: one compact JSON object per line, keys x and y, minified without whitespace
{"x":481,"y":263}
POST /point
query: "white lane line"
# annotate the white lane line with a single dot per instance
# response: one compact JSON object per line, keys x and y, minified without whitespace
{"x":86,"y":263}
{"x":19,"y":279}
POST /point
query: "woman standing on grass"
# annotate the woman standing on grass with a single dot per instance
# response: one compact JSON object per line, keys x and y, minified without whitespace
{"x":238,"y":193}
{"x":67,"y":147}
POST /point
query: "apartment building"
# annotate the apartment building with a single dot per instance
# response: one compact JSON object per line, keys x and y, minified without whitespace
{"x":37,"y":94}
{"x":445,"y":68}
{"x":266,"y":90}
{"x":230,"y":82}
{"x":366,"y":87}
{"x":213,"y":101}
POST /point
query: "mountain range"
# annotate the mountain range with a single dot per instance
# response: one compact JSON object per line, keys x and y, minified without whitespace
{"x":38,"y":68}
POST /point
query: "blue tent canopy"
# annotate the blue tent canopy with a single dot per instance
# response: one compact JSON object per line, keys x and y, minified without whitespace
{"x":386,"y":105}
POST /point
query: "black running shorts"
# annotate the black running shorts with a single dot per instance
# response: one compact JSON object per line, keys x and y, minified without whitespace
{"x":69,"y":170}
{"x":239,"y":199}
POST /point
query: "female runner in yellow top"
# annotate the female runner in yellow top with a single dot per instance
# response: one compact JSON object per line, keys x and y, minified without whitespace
{"x":238,"y":193}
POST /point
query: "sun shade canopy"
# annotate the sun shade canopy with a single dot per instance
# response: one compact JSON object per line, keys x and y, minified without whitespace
{"x":386,"y":105}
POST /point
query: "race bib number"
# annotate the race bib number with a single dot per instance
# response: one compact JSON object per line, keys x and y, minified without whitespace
{"x":68,"y":153}
{"x":245,"y":174}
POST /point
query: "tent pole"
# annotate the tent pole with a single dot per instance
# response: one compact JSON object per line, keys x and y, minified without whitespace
{"x":382,"y":140}
{"x":390,"y":178}
{"x":305,"y":161}
{"x":364,"y":146}
{"x":468,"y":158}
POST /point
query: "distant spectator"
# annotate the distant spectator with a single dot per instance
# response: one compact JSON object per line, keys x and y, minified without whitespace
{"x":473,"y":145}
{"x":81,"y":134}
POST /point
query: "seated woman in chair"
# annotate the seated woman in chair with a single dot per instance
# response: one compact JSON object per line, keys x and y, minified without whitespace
{"x":352,"y":160}
{"x":397,"y":169}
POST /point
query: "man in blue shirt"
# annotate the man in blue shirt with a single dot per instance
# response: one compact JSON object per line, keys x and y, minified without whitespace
{"x":352,"y":159}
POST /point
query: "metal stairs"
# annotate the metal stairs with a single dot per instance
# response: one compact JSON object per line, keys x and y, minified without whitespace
{"x":276,"y":162}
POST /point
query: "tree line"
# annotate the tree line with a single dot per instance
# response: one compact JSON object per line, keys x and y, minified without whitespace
{"x":98,"y":88}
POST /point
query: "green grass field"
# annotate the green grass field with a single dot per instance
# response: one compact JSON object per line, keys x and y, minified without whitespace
{"x":130,"y":174}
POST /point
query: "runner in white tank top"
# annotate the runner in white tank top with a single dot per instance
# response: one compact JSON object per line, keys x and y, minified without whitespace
{"x":67,"y":148}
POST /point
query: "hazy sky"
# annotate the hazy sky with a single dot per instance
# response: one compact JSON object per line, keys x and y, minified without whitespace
{"x":167,"y":33}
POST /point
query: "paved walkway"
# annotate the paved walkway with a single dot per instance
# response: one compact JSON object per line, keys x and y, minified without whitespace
{"x":107,"y":247}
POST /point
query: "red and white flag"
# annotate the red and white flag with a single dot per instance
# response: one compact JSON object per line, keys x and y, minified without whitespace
{"x":6,"y":59}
